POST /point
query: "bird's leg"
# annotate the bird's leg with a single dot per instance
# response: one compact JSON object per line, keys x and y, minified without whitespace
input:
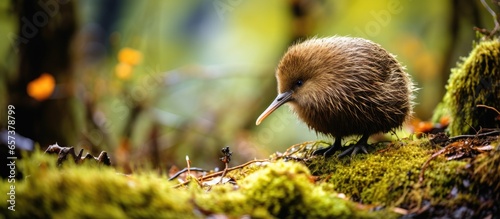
{"x":328,"y":151}
{"x":360,"y":145}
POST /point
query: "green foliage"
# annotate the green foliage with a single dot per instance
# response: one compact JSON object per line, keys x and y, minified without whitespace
{"x":475,"y":81}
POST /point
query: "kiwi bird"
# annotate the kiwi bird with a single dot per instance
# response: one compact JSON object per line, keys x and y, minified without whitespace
{"x":343,"y":86}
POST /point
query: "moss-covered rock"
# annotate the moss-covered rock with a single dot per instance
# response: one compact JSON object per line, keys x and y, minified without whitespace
{"x":475,"y":81}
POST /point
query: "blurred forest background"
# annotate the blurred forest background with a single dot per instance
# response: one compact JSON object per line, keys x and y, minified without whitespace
{"x":153,"y":81}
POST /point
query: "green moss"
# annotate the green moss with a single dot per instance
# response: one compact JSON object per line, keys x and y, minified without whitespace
{"x":475,"y":81}
{"x":91,"y":191}
{"x":388,"y":177}
{"x":272,"y":189}
{"x":282,"y":190}
{"x":485,"y":173}
{"x":378,"y":178}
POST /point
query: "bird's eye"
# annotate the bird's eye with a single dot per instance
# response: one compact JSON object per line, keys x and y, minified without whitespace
{"x":299,"y":83}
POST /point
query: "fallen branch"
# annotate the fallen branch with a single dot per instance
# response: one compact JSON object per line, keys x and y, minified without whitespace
{"x":63,"y":153}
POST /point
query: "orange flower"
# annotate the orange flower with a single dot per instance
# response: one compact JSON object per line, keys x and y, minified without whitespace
{"x":129,"y":56}
{"x":123,"y":70}
{"x":42,"y":87}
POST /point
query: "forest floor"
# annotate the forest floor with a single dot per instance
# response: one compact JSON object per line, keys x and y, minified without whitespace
{"x":430,"y":176}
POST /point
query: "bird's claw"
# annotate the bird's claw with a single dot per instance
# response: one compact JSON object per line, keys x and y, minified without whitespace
{"x":326,"y":152}
{"x":353,"y":150}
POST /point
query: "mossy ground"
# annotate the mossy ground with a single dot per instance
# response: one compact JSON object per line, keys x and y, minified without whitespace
{"x":281,"y":190}
{"x":272,"y":190}
{"x":90,"y":191}
{"x":390,"y":177}
{"x":386,"y":178}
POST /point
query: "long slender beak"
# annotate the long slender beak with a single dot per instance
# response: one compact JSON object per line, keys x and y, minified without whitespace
{"x":280,"y":100}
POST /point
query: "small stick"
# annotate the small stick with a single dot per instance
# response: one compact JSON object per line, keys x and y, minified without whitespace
{"x":473,"y":136}
{"x":221,"y":172}
{"x":489,"y":107}
{"x":225,"y":159}
{"x":495,"y":19}
{"x":421,"y":175}
{"x":188,"y":165}
{"x":184,"y":170}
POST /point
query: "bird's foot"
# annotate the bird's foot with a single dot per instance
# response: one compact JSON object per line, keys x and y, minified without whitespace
{"x":328,"y":151}
{"x":353,"y":150}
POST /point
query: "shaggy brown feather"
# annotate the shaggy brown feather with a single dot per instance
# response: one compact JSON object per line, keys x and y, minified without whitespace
{"x":342,"y":86}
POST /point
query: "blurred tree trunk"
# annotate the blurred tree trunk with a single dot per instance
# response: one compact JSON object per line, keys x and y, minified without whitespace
{"x":42,"y":45}
{"x":462,"y":15}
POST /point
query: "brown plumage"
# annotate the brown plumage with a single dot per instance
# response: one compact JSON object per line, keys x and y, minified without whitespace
{"x":342,"y":86}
